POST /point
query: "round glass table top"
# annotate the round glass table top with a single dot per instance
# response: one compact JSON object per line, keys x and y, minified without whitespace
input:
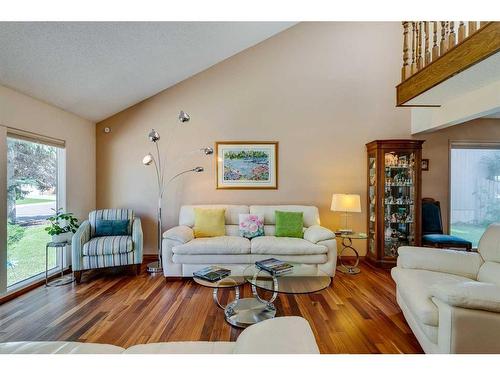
{"x":227,"y":282}
{"x":304,"y":278}
{"x":352,"y":235}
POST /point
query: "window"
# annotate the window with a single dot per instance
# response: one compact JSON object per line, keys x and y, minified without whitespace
{"x":474,"y":188}
{"x":34,"y":191}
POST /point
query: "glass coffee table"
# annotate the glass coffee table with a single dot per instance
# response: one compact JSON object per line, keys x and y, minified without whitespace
{"x":227,"y":282}
{"x":247,"y":311}
{"x":243,"y":312}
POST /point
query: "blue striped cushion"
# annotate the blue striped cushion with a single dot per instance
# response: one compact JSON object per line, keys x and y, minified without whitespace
{"x":108,"y":245}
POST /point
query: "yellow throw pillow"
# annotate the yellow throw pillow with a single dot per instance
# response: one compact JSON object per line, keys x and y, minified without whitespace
{"x":209,"y":222}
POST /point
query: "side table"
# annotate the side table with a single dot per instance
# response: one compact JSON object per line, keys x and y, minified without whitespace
{"x":62,"y":280}
{"x":347,"y":244}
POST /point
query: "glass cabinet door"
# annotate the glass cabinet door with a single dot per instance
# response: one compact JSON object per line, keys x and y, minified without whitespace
{"x":372,"y":199}
{"x":399,"y":201}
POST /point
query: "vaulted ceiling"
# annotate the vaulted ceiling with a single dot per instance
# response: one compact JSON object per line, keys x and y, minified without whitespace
{"x":96,"y":69}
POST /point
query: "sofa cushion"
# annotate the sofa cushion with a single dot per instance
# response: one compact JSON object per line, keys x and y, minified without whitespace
{"x":108,"y":245}
{"x":209,"y":222}
{"x":311,"y":213}
{"x":186,"y":347}
{"x":414,"y":286}
{"x":251,"y":225}
{"x":243,"y":259}
{"x":283,"y":335}
{"x":57,"y":347}
{"x":186,"y":213}
{"x":489,"y":244}
{"x":285,"y":245}
{"x":445,"y":239}
{"x":111,"y":214}
{"x":111,"y":228}
{"x":289,"y":224}
{"x":489,"y":273}
{"x":214,"y":245}
{"x":461,"y":263}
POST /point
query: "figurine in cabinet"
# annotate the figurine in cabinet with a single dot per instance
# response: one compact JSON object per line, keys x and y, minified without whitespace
{"x":394,"y":181}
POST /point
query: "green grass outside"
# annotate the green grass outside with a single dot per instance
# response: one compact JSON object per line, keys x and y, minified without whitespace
{"x":470,"y":232}
{"x":33,"y":200}
{"x":26,"y":258}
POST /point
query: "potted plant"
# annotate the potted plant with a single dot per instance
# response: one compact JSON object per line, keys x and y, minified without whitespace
{"x":62,"y":226}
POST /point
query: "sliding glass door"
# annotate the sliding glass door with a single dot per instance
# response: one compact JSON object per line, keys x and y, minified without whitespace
{"x":474,"y":188}
{"x":32,"y":196}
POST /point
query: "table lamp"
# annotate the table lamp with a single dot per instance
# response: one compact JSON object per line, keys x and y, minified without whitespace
{"x":346,"y":203}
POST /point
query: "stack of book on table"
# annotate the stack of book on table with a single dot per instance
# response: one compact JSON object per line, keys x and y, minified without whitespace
{"x":274,"y":266}
{"x":212,"y":273}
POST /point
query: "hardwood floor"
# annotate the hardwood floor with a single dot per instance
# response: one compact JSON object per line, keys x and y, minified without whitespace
{"x":356,"y":314}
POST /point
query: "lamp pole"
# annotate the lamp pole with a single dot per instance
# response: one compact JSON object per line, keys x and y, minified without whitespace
{"x":154,"y":136}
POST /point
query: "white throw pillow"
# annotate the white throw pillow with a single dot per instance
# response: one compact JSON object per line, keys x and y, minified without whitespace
{"x":251,"y":225}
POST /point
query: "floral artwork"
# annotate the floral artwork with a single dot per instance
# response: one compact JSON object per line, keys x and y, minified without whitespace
{"x":246,"y":165}
{"x":242,"y":165}
{"x":251,"y":225}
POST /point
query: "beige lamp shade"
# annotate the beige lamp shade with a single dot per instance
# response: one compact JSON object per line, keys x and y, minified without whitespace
{"x":346,"y":203}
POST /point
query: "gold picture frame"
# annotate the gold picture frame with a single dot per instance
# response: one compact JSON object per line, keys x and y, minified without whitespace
{"x":246,"y":165}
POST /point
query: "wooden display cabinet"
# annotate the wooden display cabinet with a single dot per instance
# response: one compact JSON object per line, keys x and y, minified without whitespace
{"x":394,"y":198}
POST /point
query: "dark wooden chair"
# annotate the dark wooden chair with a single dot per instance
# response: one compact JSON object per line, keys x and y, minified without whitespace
{"x":432,"y":228}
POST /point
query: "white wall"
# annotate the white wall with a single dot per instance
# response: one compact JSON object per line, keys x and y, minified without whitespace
{"x":457,"y":110}
{"x":23,"y":112}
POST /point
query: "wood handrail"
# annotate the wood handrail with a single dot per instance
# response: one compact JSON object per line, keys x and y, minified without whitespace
{"x":455,"y":52}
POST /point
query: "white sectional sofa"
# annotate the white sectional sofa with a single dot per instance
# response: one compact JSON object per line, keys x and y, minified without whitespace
{"x":285,"y":335}
{"x":451,"y":299}
{"x":183,"y":254}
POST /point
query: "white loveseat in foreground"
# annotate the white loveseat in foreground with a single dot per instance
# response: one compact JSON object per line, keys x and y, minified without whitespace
{"x":451,"y":299}
{"x":285,"y":335}
{"x":183,"y":254}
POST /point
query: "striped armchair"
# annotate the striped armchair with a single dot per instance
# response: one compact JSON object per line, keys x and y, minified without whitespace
{"x":91,"y":252}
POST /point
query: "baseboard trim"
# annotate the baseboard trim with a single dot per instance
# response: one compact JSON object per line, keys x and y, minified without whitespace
{"x":149,"y":258}
{"x":173,"y":278}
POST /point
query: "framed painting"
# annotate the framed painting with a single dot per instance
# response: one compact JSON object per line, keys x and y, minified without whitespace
{"x":247,"y":165}
{"x":425,"y":164}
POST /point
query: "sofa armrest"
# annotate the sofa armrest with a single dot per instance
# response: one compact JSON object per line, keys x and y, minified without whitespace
{"x":317,"y":233}
{"x":459,"y":263}
{"x":181,"y":233}
{"x":469,"y":295}
{"x":81,"y":237}
{"x":283,"y":335}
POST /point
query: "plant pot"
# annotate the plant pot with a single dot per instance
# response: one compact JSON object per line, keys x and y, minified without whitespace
{"x":63,"y":237}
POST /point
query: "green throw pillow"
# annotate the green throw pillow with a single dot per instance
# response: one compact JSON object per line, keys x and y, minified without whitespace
{"x":289,"y":224}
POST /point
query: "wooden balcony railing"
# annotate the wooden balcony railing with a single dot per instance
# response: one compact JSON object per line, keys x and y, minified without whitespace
{"x":434,"y":51}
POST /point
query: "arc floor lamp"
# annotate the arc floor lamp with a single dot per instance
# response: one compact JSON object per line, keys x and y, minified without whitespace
{"x":149,"y":159}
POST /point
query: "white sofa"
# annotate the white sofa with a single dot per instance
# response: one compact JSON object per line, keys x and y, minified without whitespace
{"x":183,"y":254}
{"x":285,"y":335}
{"x":451,"y":299}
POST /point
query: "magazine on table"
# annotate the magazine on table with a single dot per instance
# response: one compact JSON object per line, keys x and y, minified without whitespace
{"x":274,"y":266}
{"x":212,"y":273}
